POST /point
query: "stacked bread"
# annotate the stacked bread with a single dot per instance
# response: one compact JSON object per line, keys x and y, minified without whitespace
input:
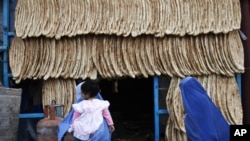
{"x":62,"y":40}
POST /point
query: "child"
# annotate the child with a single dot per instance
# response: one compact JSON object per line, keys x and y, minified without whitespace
{"x":89,"y":113}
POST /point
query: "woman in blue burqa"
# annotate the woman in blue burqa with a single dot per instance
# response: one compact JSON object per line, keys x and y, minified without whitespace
{"x":102,"y":134}
{"x":203,"y":120}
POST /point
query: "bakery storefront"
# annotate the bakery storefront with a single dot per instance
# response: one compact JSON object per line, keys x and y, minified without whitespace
{"x":139,"y":51}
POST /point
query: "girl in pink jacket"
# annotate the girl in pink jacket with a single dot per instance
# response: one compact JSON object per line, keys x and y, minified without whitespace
{"x":90,"y":113}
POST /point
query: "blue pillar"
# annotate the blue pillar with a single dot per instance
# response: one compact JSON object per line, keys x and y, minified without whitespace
{"x":156,"y":109}
{"x":5,"y":42}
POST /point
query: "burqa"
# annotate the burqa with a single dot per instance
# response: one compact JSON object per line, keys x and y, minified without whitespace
{"x":203,"y":120}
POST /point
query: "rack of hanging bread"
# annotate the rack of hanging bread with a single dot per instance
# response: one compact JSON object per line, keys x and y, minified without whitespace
{"x":58,"y":18}
{"x":59,"y":41}
{"x":115,"y":56}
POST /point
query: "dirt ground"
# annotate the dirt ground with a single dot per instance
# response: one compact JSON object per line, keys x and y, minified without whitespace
{"x":131,"y":131}
{"x":134,"y":129}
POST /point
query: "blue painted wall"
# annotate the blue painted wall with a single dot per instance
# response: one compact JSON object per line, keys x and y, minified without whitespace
{"x":1,"y":39}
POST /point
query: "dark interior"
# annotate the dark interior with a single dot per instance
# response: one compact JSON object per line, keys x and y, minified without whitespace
{"x":131,"y":107}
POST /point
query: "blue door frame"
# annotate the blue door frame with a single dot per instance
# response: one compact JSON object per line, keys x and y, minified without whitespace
{"x":5,"y":46}
{"x":157,"y":110}
{"x":7,"y":34}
